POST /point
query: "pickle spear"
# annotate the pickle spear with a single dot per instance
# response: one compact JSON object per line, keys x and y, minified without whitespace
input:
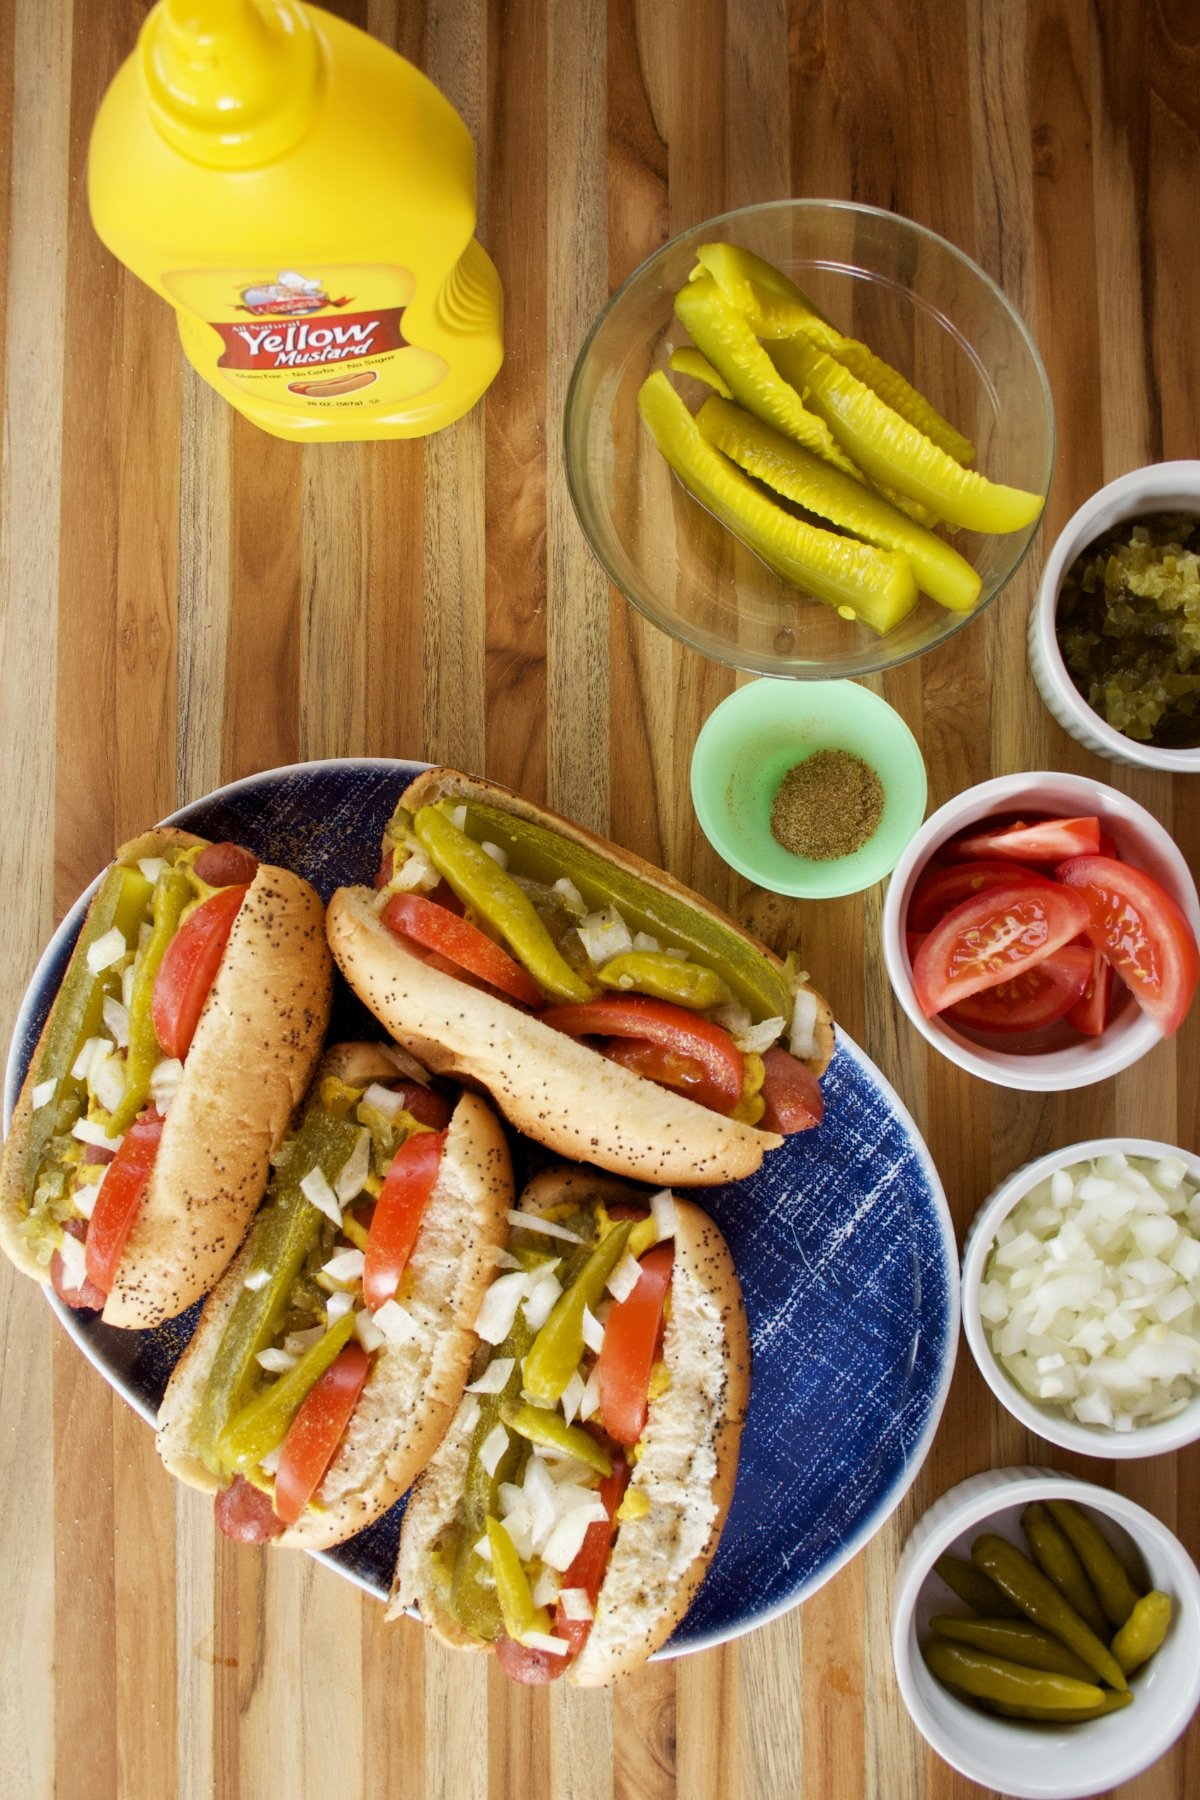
{"x":792,"y":471}
{"x":876,"y":586}
{"x":688,"y":361}
{"x":894,"y":452}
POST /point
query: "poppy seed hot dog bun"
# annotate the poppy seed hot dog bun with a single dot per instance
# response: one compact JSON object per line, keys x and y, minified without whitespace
{"x":413,"y":1388}
{"x":557,"y":1089}
{"x":682,"y":1479}
{"x":248,"y":1063}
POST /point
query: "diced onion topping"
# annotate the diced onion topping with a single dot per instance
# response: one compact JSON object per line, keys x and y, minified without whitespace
{"x":458,"y":816}
{"x":666,"y":1219}
{"x":297,"y":1342}
{"x":802,"y":1037}
{"x":337,"y":1306}
{"x":88,"y":1132}
{"x":106,"y":950}
{"x":548,"y":1227}
{"x":43,"y":1093}
{"x":604,"y":935}
{"x":624,"y":1278}
{"x":589,"y":1404}
{"x":468,"y":1414}
{"x":116,"y":1020}
{"x":1091,"y":1296}
{"x":494,"y":1377}
{"x":83,"y":1198}
{"x":545,"y":1640}
{"x":276,"y":1362}
{"x":346,"y":1266}
{"x":593,"y":1330}
{"x":566,"y":1540}
{"x":106,"y":1079}
{"x":74,"y":1255}
{"x":543,"y":1293}
{"x":165,"y":1078}
{"x":575,"y":1603}
{"x":500,"y":1305}
{"x":396,"y":1323}
{"x":257,"y":1278}
{"x":352,"y":1176}
{"x":89,"y":1050}
{"x":367,"y":1332}
{"x":545,"y":1588}
{"x":570,"y":896}
{"x":416,"y":874}
{"x":384,"y":1100}
{"x":495,"y":852}
{"x":317,"y":1191}
{"x":152,"y":867}
{"x":492,"y":1449}
{"x":572,"y":1397}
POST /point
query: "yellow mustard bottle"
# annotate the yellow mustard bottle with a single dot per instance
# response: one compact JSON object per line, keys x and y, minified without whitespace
{"x":305,"y":199}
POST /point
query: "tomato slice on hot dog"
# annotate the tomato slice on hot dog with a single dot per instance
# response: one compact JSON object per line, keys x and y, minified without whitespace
{"x":189,"y":968}
{"x":722,"y":1065}
{"x":398,"y":1214}
{"x":435,"y":928}
{"x":120,"y":1195}
{"x":316,"y":1431}
{"x":630,"y":1341}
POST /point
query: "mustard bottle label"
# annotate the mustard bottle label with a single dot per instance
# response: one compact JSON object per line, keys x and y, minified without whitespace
{"x":326,"y":338}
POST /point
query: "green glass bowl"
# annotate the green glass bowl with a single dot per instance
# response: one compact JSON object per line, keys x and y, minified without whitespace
{"x":748,"y":744}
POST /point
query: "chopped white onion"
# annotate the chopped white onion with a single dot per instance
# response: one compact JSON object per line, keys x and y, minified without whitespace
{"x":495,"y":852}
{"x":593,"y":1330}
{"x":396,"y":1323}
{"x":152,"y":867}
{"x":624,"y":1278}
{"x":604,"y":935}
{"x":483,"y":1548}
{"x":416,"y":874}
{"x":367,"y":1331}
{"x":457,"y":815}
{"x":352,"y":1176}
{"x":116,"y":1020}
{"x":572,"y":1397}
{"x":548,"y":1227}
{"x":89,"y":1050}
{"x":570,"y":896}
{"x":106,"y":1079}
{"x":666,"y":1219}
{"x":83,"y":1198}
{"x":499,"y":1307}
{"x":317,"y":1191}
{"x":566,"y":1540}
{"x":543,"y":1293}
{"x":106,"y":950}
{"x":88,"y":1132}
{"x":257,"y":1278}
{"x":575,"y":1603}
{"x":494,"y":1378}
{"x":802,"y":1035}
{"x":544,"y":1640}
{"x":346,"y":1266}
{"x":297,"y":1342}
{"x":492,"y":1448}
{"x":165,"y":1078}
{"x":505,"y":1259}
{"x":276,"y":1362}
{"x":645,"y":940}
{"x":468,"y":1415}
{"x":74,"y":1255}
{"x":337,"y":1306}
{"x":384,"y":1100}
{"x":43,"y":1093}
{"x":1087,"y":1298}
{"x":545,"y":1588}
{"x":589,"y":1404}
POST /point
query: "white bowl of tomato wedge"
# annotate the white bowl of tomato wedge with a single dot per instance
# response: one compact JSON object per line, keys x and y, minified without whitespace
{"x":1041,"y":931}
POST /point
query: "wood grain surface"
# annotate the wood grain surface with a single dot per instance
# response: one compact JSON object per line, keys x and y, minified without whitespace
{"x":186,"y":600}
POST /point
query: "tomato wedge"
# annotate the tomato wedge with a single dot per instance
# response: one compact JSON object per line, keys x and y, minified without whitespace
{"x":794,"y":1101}
{"x":1143,"y":933}
{"x":188,"y":970}
{"x":435,"y":928}
{"x":398,"y":1214}
{"x":674,"y":1029}
{"x":1090,"y":1012}
{"x":120,"y":1196}
{"x":1041,"y":841}
{"x":316,"y":1431}
{"x":627,"y":1353}
{"x":991,"y":938}
{"x":1031,"y":999}
{"x":939,"y":891}
{"x":587,"y":1570}
{"x":245,"y":1514}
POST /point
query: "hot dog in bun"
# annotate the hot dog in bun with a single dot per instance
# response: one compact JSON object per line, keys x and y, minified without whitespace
{"x":330,"y":1359}
{"x":182,"y":1037}
{"x":615,"y":1017}
{"x":576,"y":1501}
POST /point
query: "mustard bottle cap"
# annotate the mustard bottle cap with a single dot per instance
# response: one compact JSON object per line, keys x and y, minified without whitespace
{"x":231,"y":83}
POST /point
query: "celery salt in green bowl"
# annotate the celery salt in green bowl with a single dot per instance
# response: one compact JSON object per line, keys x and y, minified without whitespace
{"x":748,"y":744}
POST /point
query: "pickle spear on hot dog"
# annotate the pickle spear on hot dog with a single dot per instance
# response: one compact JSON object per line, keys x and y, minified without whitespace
{"x":613,"y":1015}
{"x":331,"y":1357}
{"x":182,"y":1037}
{"x":575,"y":1502}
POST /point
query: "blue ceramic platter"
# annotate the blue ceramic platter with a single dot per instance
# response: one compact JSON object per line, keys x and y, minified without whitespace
{"x":842,"y":1241}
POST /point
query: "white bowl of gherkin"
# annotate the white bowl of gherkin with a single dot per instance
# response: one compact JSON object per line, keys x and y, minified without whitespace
{"x":1046,"y":1634}
{"x":809,"y":438}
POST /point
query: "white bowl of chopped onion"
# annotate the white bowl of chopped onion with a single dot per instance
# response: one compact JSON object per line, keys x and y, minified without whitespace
{"x":1081,"y":1296}
{"x":1046,"y":1761}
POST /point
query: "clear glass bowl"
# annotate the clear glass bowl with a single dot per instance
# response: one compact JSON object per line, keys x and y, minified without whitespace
{"x":923,"y":306}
